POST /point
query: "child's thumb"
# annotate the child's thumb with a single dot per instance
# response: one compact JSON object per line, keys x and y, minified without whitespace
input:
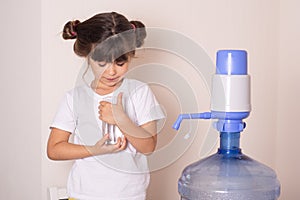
{"x":120,"y":96}
{"x":103,"y":139}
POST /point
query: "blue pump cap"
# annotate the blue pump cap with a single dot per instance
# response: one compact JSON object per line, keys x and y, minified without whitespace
{"x":232,"y":62}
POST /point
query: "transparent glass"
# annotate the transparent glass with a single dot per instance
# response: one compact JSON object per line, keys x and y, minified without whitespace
{"x":228,"y":175}
{"x":109,"y":129}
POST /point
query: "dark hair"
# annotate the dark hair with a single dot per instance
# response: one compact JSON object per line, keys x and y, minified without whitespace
{"x":105,"y":36}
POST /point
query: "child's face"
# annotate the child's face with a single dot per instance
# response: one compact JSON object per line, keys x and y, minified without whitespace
{"x":109,"y":74}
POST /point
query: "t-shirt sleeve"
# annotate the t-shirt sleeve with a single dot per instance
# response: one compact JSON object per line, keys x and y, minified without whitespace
{"x":64,"y":118}
{"x":146,"y":106}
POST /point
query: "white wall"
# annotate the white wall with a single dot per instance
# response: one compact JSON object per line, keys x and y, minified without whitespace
{"x":20,"y":83}
{"x":287,"y":160}
{"x":268,"y":30}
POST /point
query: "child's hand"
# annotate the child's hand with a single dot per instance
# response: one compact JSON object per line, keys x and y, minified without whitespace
{"x":101,"y":148}
{"x":111,"y":113}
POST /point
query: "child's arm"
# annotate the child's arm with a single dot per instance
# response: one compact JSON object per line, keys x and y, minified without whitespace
{"x":143,"y":138}
{"x":59,"y":148}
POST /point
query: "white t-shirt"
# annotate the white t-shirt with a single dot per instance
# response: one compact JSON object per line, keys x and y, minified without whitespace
{"x":117,"y":176}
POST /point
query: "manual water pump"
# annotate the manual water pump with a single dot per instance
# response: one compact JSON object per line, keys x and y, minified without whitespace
{"x":228,"y":174}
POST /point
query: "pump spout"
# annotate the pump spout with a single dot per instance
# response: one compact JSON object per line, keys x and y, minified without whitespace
{"x":205,"y":115}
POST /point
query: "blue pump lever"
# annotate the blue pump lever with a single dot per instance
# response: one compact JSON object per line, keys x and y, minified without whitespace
{"x":205,"y":115}
{"x":227,"y":121}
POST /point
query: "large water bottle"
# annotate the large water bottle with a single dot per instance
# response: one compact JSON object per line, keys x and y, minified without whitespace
{"x":229,"y":174}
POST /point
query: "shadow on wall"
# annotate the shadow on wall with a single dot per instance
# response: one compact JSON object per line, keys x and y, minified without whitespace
{"x":168,"y":74}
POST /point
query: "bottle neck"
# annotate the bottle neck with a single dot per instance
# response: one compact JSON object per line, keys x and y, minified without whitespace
{"x":229,"y":143}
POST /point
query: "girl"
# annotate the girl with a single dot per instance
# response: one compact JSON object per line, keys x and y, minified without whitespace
{"x":101,"y":170}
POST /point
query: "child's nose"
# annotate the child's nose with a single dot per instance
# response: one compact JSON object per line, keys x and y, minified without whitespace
{"x":111,"y":69}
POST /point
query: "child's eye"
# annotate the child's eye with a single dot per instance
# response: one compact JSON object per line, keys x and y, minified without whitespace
{"x":102,"y":64}
{"x":120,"y":63}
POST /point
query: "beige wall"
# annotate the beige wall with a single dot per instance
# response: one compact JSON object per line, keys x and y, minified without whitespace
{"x":20,"y":83}
{"x":268,"y":30}
{"x":288,"y":96}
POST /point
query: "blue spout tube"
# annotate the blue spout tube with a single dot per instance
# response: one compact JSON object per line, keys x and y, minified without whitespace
{"x":205,"y":115}
{"x":228,"y":121}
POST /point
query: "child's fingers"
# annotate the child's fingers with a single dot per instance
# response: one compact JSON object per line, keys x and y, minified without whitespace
{"x":123,"y":144}
{"x":119,"y":146}
{"x":103,"y":103}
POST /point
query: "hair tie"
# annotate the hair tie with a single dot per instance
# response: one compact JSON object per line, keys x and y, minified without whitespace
{"x":74,"y":24}
{"x":133,"y":26}
{"x":73,"y":33}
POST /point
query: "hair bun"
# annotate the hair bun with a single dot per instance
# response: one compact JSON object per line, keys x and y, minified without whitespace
{"x":70,"y":30}
{"x":140,"y":32}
